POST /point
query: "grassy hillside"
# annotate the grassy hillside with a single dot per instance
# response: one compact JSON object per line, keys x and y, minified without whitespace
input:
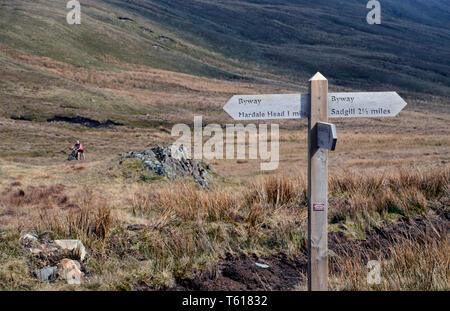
{"x":156,"y":63}
{"x":408,"y":51}
{"x":247,"y":39}
{"x":105,"y":68}
{"x":40,"y":27}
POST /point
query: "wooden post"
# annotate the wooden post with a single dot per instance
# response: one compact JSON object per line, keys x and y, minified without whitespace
{"x":317,"y":188}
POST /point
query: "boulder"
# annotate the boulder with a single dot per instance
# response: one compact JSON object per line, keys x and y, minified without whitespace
{"x":178,"y":153}
{"x":50,"y":252}
{"x":53,"y":256}
{"x":173,"y":162}
{"x":47,"y":274}
{"x":70,"y":270}
{"x":76,"y":246}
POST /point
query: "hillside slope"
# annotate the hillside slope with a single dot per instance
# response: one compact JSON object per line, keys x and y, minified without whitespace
{"x":409,"y":50}
{"x":247,"y":39}
{"x":126,"y":60}
{"x":98,"y":68}
{"x":40,"y":28}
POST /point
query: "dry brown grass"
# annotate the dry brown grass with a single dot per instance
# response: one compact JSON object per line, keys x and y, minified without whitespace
{"x":186,"y":228}
{"x":187,"y":203}
{"x":89,"y":220}
{"x":411,"y":264}
{"x":41,"y":196}
{"x":82,"y":215}
{"x":369,"y":198}
{"x":279,"y":191}
{"x":190,"y":228}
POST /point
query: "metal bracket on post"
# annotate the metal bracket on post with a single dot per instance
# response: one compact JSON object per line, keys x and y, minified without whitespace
{"x":326,"y":136}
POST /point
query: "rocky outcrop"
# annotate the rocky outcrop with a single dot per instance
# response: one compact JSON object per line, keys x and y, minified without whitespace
{"x":173,"y":162}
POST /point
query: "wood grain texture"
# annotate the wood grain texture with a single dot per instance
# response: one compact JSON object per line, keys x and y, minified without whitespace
{"x":317,"y":188}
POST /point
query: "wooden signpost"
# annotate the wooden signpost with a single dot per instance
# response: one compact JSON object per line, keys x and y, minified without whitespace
{"x":317,"y":106}
{"x":317,"y":187}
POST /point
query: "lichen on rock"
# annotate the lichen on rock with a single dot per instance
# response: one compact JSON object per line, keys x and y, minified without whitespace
{"x":173,"y":162}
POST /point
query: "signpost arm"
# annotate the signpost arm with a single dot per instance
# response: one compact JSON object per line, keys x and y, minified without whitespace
{"x":317,"y":188}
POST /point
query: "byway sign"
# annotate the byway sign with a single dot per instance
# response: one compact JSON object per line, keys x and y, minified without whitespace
{"x":296,"y":106}
{"x":267,"y":107}
{"x":360,"y":105}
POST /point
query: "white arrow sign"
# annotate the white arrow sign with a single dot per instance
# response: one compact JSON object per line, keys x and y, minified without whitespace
{"x":295,"y":106}
{"x":267,"y":107}
{"x":360,"y":105}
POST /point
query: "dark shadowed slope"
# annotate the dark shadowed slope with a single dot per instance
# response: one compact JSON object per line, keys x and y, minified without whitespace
{"x":409,"y":50}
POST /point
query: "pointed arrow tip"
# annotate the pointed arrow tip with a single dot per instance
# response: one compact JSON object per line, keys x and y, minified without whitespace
{"x":227,"y":106}
{"x":402,"y":100}
{"x":401,"y":104}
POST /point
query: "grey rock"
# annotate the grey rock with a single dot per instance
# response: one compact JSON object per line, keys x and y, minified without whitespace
{"x":149,"y":153}
{"x":47,"y":274}
{"x":173,"y":162}
{"x":30,"y":241}
{"x":209,"y":167}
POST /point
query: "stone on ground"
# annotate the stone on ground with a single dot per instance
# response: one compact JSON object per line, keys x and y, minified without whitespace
{"x":70,"y":270}
{"x":47,"y":274}
{"x":173,"y":162}
{"x":76,"y":246}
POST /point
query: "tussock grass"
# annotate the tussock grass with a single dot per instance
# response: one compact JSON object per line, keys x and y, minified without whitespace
{"x":189,"y":227}
{"x":412,"y":264}
{"x":279,"y":191}
{"x":368,"y":199}
{"x":182,"y":228}
{"x":90,"y":220}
